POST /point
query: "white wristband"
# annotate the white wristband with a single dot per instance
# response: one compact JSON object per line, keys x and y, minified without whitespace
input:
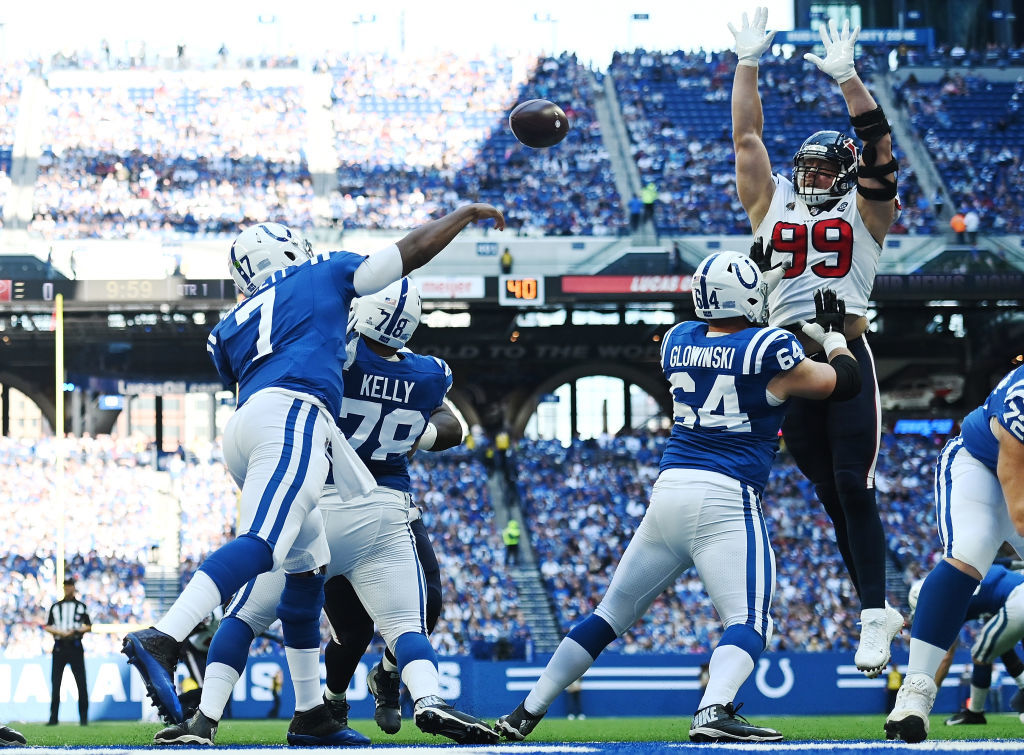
{"x":833,"y":341}
{"x":430,"y":436}
{"x":752,"y":62}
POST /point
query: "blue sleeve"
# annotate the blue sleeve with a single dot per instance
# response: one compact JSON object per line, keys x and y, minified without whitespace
{"x":220,"y":361}
{"x":1011,"y":416}
{"x":784,"y":352}
{"x":343,"y":267}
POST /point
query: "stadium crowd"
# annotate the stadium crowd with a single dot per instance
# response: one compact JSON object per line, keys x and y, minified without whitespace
{"x":114,"y":522}
{"x":972,"y":128}
{"x":582,"y":504}
{"x":135,"y":162}
{"x":412,"y":137}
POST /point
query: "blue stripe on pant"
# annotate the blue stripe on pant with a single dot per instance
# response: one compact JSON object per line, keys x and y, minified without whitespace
{"x":267,"y":500}
{"x":943,"y":490}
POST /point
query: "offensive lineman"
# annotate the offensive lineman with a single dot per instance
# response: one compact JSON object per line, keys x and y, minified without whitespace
{"x":391,"y":395}
{"x":829,"y":223}
{"x":1000,"y":601}
{"x":730,"y":382}
{"x":281,"y":346}
{"x":979,"y":503}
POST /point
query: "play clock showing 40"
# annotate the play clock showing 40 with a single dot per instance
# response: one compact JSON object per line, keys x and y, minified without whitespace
{"x":518,"y":291}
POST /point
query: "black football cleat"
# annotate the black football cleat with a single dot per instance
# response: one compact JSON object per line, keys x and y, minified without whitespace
{"x":518,"y":724}
{"x":965,"y":716}
{"x":316,"y":727}
{"x":722,"y":723}
{"x":338,"y":708}
{"x":10,"y":738}
{"x":435,"y":716}
{"x":384,"y":686}
{"x":155,"y":656}
{"x":198,"y":730}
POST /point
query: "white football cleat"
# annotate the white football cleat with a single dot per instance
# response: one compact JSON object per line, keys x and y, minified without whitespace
{"x":876,"y":636}
{"x":909,"y":718}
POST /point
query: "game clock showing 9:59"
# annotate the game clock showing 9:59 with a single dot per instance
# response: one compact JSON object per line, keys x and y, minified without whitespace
{"x":520,"y":291}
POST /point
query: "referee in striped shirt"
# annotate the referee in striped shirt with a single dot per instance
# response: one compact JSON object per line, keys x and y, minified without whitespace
{"x":67,"y":622}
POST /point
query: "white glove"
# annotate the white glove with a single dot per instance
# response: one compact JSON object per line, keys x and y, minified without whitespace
{"x":751,"y":40}
{"x":829,"y":316}
{"x":829,"y":340}
{"x":838,"y":62}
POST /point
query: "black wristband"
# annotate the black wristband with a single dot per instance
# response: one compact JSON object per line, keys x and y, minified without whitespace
{"x":870,"y":126}
{"x":847,"y":377}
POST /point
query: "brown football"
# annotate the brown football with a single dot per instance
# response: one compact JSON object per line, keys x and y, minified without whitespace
{"x":538,"y":123}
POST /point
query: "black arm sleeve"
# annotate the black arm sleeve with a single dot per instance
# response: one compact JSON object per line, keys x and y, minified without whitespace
{"x":847,"y":378}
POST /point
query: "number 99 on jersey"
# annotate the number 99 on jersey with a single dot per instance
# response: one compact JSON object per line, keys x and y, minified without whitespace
{"x":517,"y":291}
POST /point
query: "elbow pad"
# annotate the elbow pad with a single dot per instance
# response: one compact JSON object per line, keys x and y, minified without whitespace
{"x":847,"y":378}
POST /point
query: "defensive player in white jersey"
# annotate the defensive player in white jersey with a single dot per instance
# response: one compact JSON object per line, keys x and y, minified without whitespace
{"x":389,"y":398}
{"x":730,"y":382}
{"x":827,"y":226}
{"x":281,"y":345}
{"x":979,"y":504}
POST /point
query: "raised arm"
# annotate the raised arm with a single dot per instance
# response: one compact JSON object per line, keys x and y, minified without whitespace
{"x":876,"y":173}
{"x":753,"y":166}
{"x":420,"y":246}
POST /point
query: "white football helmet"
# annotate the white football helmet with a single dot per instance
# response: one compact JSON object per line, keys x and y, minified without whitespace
{"x":728,"y":284}
{"x":389,"y":316}
{"x":261,"y":250}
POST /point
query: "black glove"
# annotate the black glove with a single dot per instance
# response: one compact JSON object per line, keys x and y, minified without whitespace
{"x":829,"y":311}
{"x":761,"y":255}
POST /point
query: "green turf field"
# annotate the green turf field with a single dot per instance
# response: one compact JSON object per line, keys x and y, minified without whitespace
{"x":245,"y":732}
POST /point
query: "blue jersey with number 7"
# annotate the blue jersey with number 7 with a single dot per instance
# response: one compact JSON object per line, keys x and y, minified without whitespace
{"x":289,"y":333}
{"x":724,"y":419}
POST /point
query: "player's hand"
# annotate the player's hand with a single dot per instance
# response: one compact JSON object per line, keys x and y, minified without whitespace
{"x":838,"y":62}
{"x":761,"y":256}
{"x":484,"y":211}
{"x":829,"y":317}
{"x":751,"y":40}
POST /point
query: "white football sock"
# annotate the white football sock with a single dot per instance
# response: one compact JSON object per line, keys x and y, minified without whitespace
{"x":218,"y":682}
{"x":199,"y":597}
{"x":568,"y":663}
{"x":729,"y":668}
{"x":924,"y":658}
{"x":420,"y":676}
{"x":978,"y":697}
{"x":304,"y":665}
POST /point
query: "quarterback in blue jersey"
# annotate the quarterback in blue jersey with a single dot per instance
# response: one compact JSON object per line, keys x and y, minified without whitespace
{"x":730,"y":381}
{"x":979,"y":504}
{"x":391,"y":397}
{"x":280,"y":344}
{"x":999,"y":603}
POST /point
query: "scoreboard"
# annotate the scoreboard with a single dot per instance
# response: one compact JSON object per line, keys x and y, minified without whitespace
{"x":114,"y":292}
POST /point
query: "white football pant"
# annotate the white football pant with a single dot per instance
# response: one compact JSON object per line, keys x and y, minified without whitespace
{"x":702,"y":519}
{"x":275,"y":447}
{"x":1004,"y":630}
{"x":970,"y":509}
{"x":373,"y":546}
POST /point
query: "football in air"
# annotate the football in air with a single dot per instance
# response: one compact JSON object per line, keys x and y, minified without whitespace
{"x":538,"y":123}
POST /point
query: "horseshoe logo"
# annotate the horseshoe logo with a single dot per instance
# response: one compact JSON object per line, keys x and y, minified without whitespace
{"x":761,"y":679}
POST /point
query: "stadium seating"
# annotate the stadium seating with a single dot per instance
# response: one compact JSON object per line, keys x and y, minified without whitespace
{"x":175,"y":157}
{"x":677,"y":109}
{"x":974,"y":131}
{"x":582,"y":504}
